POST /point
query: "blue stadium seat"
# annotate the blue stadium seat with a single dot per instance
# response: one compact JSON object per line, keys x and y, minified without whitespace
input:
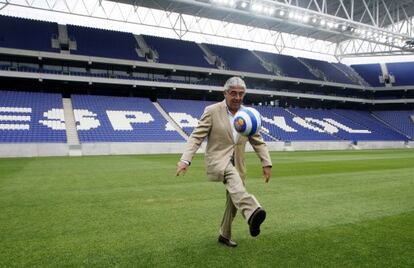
{"x":288,"y":65}
{"x":380,"y":131}
{"x":15,"y":33}
{"x":370,"y":73}
{"x":238,"y":59}
{"x":332,"y":74}
{"x":400,"y":120}
{"x":177,"y":51}
{"x":352,"y":74}
{"x":103,"y":43}
{"x":403,"y":72}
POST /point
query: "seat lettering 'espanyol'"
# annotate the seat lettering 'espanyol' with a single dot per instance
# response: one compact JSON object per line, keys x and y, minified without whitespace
{"x":280,"y":122}
{"x":19,"y":118}
{"x":183,"y":120}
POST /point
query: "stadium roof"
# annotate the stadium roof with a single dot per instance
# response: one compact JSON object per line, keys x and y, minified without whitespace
{"x":375,"y":15}
{"x":334,"y":28}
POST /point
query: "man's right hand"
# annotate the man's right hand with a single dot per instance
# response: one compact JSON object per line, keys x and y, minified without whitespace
{"x":181,"y":168}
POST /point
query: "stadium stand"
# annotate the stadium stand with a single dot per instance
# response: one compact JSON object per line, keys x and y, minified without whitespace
{"x":38,"y":117}
{"x":120,"y":119}
{"x":370,"y":72}
{"x":184,"y":112}
{"x":297,"y":124}
{"x":351,"y":73}
{"x":103,"y":43}
{"x":288,"y":65}
{"x":400,"y":120}
{"x":14,"y":33}
{"x":122,"y":45}
{"x":177,"y":51}
{"x":31,"y":117}
{"x":337,"y":125}
{"x":365,"y":119}
{"x":284,"y":125}
{"x":238,"y":59}
{"x":331,"y":73}
{"x":403,"y":72}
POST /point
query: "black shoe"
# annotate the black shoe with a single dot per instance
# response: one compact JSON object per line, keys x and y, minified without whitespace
{"x":256,"y":219}
{"x":227,"y":242}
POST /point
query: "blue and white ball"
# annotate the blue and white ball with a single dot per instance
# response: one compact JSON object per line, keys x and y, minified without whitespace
{"x":247,"y":121}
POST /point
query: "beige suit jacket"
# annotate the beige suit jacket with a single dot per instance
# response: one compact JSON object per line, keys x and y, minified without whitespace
{"x":214,"y":125}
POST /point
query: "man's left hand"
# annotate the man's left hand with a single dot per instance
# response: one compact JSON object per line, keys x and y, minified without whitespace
{"x":267,"y":172}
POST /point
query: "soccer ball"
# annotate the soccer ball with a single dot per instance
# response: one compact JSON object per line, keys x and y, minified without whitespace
{"x":247,"y":121}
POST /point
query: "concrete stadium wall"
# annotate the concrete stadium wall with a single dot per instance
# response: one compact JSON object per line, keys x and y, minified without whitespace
{"x":380,"y":144}
{"x":117,"y":148}
{"x":410,"y":144}
{"x":33,"y":149}
{"x":122,"y":148}
{"x":317,"y":145}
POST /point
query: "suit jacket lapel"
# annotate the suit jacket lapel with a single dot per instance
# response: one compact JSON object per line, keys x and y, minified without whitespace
{"x":225,"y":118}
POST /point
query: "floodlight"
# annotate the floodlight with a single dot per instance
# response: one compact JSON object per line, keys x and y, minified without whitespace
{"x":254,"y":7}
{"x":257,"y":7}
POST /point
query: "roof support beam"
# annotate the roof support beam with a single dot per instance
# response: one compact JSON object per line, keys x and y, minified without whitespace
{"x":171,"y":17}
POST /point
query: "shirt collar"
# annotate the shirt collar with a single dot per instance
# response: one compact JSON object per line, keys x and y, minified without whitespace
{"x":228,"y":110}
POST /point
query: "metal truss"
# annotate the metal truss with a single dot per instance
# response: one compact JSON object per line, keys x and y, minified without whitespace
{"x":3,"y":4}
{"x":386,"y":15}
{"x":382,"y":14}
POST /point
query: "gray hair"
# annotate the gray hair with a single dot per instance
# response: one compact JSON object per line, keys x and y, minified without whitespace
{"x":234,"y":81}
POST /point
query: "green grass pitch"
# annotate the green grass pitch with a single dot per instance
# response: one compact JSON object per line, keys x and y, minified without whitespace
{"x":325,"y":209}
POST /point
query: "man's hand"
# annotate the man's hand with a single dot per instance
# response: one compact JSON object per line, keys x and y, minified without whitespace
{"x":267,"y":172}
{"x":181,"y":168}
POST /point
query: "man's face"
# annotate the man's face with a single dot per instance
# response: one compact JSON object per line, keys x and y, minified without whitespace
{"x":234,"y":98}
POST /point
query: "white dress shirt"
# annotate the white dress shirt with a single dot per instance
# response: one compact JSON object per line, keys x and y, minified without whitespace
{"x":231,"y":119}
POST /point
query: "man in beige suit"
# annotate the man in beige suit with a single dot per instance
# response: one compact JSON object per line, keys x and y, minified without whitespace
{"x":224,"y":158}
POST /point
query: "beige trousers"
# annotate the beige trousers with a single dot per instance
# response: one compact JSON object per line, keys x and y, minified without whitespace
{"x":237,"y":199}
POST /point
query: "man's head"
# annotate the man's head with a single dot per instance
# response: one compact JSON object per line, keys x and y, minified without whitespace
{"x":234,"y":91}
